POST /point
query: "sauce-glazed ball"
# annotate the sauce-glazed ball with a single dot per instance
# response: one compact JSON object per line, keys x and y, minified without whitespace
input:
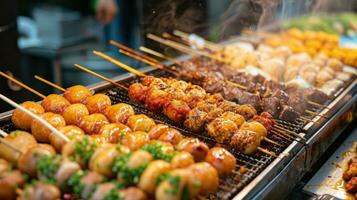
{"x":91,"y":124}
{"x":157,"y":130}
{"x":21,"y":119}
{"x":70,"y":131}
{"x":120,"y":113}
{"x":41,"y":132}
{"x":204,"y":175}
{"x":28,"y":160}
{"x":152,"y":171}
{"x":172,"y":136}
{"x":98,"y":103}
{"x":182,"y":177}
{"x":9,"y":182}
{"x":74,"y":113}
{"x":140,"y":123}
{"x":246,"y":141}
{"x":137,"y":92}
{"x":222,"y":160}
{"x":114,"y":132}
{"x":40,"y":190}
{"x":181,"y":160}
{"x":135,"y":140}
{"x":195,"y":147}
{"x":55,"y":103}
{"x":255,"y":127}
{"x":77,"y":94}
{"x":21,"y":140}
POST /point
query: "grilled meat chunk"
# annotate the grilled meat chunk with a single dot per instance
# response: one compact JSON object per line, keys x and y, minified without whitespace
{"x":288,"y":114}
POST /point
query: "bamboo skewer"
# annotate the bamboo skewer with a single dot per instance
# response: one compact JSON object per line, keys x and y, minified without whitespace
{"x":267,"y":152}
{"x":120,"y":64}
{"x":208,"y":44}
{"x":22,"y":85}
{"x":141,"y":59}
{"x":3,"y":133}
{"x":237,"y":85}
{"x":35,"y":117}
{"x":160,"y":55}
{"x":100,"y":76}
{"x":316,"y":104}
{"x":272,"y":141}
{"x":134,"y":52}
{"x":50,"y":83}
{"x":290,"y":132}
{"x":315,"y":114}
{"x":309,"y":120}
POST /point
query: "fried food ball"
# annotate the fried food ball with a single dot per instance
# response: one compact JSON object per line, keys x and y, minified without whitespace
{"x":9,"y":182}
{"x":70,"y":131}
{"x":157,"y":130}
{"x":28,"y":160}
{"x":120,"y":113}
{"x":139,"y":158}
{"x":222,"y":160}
{"x":21,"y":140}
{"x":163,"y":189}
{"x":245,"y":141}
{"x":140,"y":122}
{"x":176,"y":110}
{"x":204,"y":175}
{"x":114,"y":132}
{"x":195,"y":147}
{"x":181,"y":160}
{"x":156,"y":99}
{"x":98,"y":103}
{"x":236,"y":118}
{"x":74,"y":113}
{"x":137,"y":92}
{"x":77,"y":94}
{"x":41,"y":132}
{"x":55,"y":103}
{"x":172,"y":136}
{"x":255,"y":127}
{"x":152,"y":171}
{"x":91,"y":124}
{"x":247,"y":111}
{"x":135,"y":140}
{"x":221,"y":129}
{"x":21,"y":119}
{"x":133,"y":193}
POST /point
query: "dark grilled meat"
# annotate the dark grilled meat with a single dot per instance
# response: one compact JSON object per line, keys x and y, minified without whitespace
{"x":315,"y":95}
{"x":288,"y":114}
{"x":272,"y":105}
{"x":351,"y":185}
{"x":351,"y":170}
{"x":249,"y":98}
{"x":297,"y":102}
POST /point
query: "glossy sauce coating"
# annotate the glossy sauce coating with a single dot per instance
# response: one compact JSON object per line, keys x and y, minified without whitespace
{"x":21,"y":119}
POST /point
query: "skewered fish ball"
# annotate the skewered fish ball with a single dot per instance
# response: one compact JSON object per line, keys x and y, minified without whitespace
{"x":139,"y":158}
{"x":172,"y":136}
{"x":91,"y":124}
{"x":40,"y":190}
{"x":157,"y":130}
{"x":98,"y":103}
{"x":102,"y":159}
{"x":99,"y":139}
{"x":137,"y":92}
{"x":41,"y":132}
{"x":196,"y":119}
{"x":245,"y":141}
{"x":152,"y":171}
{"x":55,"y":103}
{"x":9,"y":182}
{"x":255,"y":127}
{"x":80,"y":150}
{"x":163,"y":189}
{"x":207,"y":177}
{"x":114,"y":132}
{"x":221,"y":129}
{"x":195,"y":147}
{"x":70,"y":131}
{"x":28,"y":160}
{"x":236,"y":118}
{"x":156,"y":99}
{"x":176,"y":110}
{"x":222,"y":160}
{"x":181,"y":160}
{"x":21,"y":140}
{"x":135,"y":140}
{"x":120,"y":113}
{"x":21,"y":119}
{"x":74,"y":113}
{"x":140,"y":122}
{"x":77,"y":94}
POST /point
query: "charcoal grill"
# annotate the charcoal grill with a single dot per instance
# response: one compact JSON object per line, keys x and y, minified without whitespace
{"x":260,"y":169}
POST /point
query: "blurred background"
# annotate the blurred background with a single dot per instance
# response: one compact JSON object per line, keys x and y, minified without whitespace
{"x":46,"y":37}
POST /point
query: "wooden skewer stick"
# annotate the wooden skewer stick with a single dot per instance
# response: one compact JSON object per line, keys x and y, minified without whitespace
{"x":22,"y":85}
{"x":281,"y":133}
{"x":237,"y":85}
{"x":315,"y":114}
{"x":3,"y":133}
{"x":100,"y":76}
{"x":141,"y":59}
{"x":172,"y":44}
{"x":257,"y":33}
{"x":35,"y":117}
{"x":120,"y":64}
{"x":309,"y":120}
{"x":288,"y":131}
{"x":316,"y":104}
{"x":160,"y":55}
{"x":267,"y":152}
{"x":134,"y":52}
{"x":8,"y":144}
{"x":176,"y":39}
{"x":50,"y":83}
{"x":272,"y":141}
